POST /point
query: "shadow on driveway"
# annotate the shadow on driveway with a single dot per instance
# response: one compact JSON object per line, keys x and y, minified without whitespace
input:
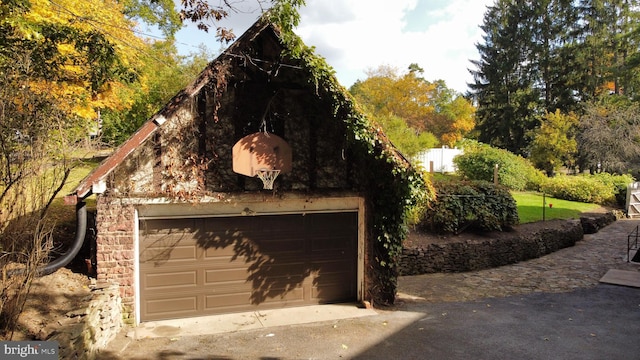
{"x":596,"y":323}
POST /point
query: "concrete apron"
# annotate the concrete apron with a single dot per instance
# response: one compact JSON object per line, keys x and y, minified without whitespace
{"x":217,"y":324}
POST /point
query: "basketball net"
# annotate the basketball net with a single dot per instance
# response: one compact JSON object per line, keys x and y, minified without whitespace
{"x":267,"y":177}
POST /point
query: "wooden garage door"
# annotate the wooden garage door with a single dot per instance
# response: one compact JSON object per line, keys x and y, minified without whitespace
{"x":203,"y":266}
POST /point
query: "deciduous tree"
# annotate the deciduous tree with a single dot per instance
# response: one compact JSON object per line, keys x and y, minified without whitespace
{"x":424,"y":106}
{"x":79,"y":52}
{"x":403,"y":137}
{"x":207,"y":15}
{"x":166,"y":73}
{"x":554,"y":144}
{"x":609,"y":135}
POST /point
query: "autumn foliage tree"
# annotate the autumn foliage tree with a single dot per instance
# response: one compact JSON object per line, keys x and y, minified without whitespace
{"x":425,"y":107}
{"x":61,"y":62}
{"x":454,"y":116}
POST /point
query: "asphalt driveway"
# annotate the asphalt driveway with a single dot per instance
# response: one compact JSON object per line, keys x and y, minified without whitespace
{"x":596,"y":323}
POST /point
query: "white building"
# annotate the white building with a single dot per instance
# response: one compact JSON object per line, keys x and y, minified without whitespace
{"x":438,"y":160}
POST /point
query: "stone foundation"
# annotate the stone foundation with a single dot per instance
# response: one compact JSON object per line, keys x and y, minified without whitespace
{"x":91,"y":329}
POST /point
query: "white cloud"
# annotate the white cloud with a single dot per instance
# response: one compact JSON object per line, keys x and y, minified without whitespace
{"x":377,"y":33}
{"x":357,"y":35}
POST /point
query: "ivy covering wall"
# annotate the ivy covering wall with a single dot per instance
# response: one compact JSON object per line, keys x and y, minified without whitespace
{"x":392,"y":186}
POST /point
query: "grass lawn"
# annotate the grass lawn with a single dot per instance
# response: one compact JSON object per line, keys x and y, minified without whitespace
{"x":530,"y":207}
{"x":65,"y":214}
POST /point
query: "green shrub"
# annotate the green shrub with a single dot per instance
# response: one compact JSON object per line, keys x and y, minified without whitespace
{"x":476,"y":204}
{"x":619,"y":184}
{"x":515,"y":172}
{"x":603,"y":188}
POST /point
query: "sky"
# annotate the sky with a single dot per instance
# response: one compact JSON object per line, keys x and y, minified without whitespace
{"x":355,"y":36}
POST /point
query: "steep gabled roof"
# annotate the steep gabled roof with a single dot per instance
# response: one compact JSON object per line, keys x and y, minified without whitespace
{"x":326,"y":83}
{"x":98,"y":175}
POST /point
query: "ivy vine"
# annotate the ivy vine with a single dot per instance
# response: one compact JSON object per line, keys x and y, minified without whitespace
{"x":394,"y":188}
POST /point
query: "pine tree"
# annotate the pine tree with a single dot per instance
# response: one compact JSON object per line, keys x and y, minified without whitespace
{"x":541,"y":56}
{"x":503,"y":88}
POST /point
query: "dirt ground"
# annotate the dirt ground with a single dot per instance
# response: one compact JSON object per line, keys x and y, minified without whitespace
{"x":417,"y":238}
{"x":51,"y":298}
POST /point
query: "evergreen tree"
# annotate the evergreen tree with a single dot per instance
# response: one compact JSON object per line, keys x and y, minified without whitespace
{"x":541,"y":56}
{"x":503,"y":88}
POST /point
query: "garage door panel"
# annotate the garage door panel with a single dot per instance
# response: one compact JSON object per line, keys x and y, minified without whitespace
{"x":223,"y":261}
{"x":220,"y":242}
{"x":275,"y":287}
{"x":332,"y":264}
{"x":247,"y":263}
{"x":170,"y":226}
{"x":167,"y":241}
{"x":229,"y":287}
{"x":248,"y":247}
{"x":275,"y":246}
{"x":175,"y":305}
{"x":235,"y":227}
{"x":277,"y":269}
{"x":284,"y":295}
{"x":330,"y":243}
{"x":171,"y":280}
{"x":331,"y":278}
{"x":275,"y":223}
{"x":243,"y":301}
{"x":213,"y":276}
{"x":330,"y":293}
{"x":216,"y":250}
{"x":224,"y":301}
{"x":168,"y":254}
{"x":324,"y":223}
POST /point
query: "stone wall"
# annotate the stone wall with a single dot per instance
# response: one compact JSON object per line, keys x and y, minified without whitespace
{"x":92,"y":328}
{"x":470,"y":255}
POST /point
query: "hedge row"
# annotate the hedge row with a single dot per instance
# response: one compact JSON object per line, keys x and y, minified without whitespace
{"x":476,"y":204}
{"x":517,"y":173}
{"x":604,"y":189}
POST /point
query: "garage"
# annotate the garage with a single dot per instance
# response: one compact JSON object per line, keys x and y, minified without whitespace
{"x":199,"y":266}
{"x":259,"y":185}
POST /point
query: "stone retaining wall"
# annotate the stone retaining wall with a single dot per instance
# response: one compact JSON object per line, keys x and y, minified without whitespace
{"x":92,"y":328}
{"x":470,"y":255}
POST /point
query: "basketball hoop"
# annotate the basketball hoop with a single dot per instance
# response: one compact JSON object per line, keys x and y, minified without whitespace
{"x":267,"y":177}
{"x":260,"y":154}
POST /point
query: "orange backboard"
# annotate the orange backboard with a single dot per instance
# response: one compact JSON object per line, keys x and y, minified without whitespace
{"x":261,"y":151}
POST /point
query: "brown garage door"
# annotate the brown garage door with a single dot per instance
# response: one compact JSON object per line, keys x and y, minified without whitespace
{"x":203,"y":266}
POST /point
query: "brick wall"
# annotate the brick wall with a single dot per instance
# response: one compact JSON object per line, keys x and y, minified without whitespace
{"x":115,"y":223}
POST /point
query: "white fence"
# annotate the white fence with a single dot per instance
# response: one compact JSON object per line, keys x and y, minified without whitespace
{"x":438,"y":160}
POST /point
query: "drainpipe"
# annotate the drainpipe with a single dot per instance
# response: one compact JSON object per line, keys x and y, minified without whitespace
{"x":81,"y":229}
